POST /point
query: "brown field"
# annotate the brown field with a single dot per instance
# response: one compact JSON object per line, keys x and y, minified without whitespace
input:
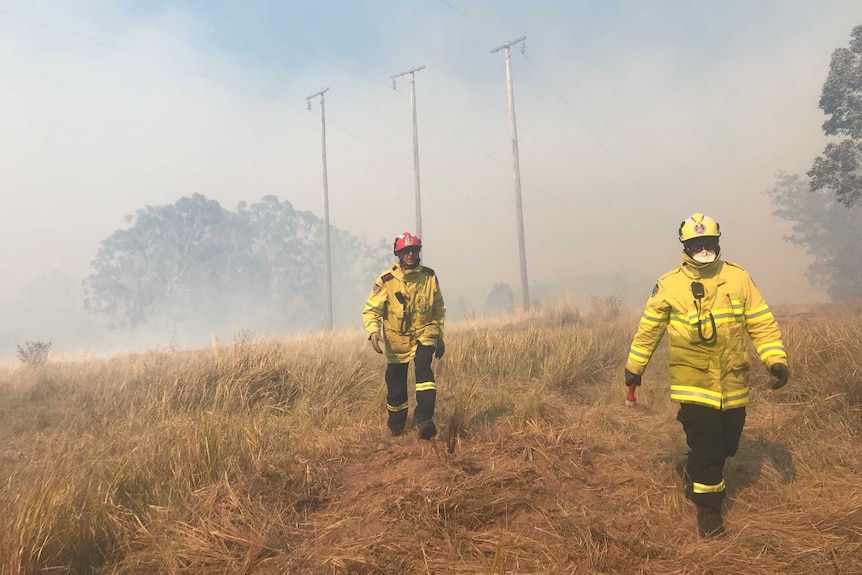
{"x":273,"y":457}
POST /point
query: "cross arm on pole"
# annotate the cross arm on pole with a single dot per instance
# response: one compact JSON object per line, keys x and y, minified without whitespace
{"x":315,"y":95}
{"x":410,"y":71}
{"x":509,"y":44}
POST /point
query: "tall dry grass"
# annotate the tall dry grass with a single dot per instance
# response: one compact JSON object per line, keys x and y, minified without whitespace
{"x":273,"y":457}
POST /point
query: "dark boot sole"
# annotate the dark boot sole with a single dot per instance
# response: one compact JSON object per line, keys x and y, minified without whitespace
{"x":427,"y":429}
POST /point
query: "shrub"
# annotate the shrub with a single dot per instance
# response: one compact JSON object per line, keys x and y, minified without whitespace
{"x":34,"y":353}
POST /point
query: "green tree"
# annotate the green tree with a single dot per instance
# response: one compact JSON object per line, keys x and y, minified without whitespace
{"x":830,"y":232}
{"x":164,"y":262}
{"x":839,"y":167}
{"x":290,"y":270}
{"x":196,"y":263}
{"x":287,"y":246}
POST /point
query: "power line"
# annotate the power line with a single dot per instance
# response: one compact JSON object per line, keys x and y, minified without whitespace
{"x":283,"y":40}
{"x":471,"y":19}
{"x":163,"y":64}
{"x":235,"y":86}
{"x":545,"y":78}
{"x":461,"y":136}
{"x":570,"y":107}
{"x":181,"y":70}
{"x":279,"y":38}
{"x":245,"y":89}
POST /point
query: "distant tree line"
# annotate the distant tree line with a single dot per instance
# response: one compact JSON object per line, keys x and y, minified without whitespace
{"x":826,"y":207}
{"x":194,"y":262}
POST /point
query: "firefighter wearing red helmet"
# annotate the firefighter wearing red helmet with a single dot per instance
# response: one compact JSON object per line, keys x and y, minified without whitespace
{"x":707,"y":306}
{"x":405,"y":313}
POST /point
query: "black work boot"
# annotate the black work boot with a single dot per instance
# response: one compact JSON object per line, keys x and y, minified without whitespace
{"x":709,"y":523}
{"x":427,"y":429}
{"x":397,"y":422}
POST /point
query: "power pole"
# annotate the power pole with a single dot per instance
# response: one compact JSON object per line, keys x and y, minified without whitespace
{"x":507,"y":48}
{"x":412,"y":72}
{"x":325,"y":206}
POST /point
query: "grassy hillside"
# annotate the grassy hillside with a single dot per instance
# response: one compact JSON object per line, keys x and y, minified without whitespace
{"x":273,"y":457}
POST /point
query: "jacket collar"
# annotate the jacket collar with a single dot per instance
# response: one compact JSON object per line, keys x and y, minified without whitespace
{"x":401,"y":273}
{"x":698,"y":270}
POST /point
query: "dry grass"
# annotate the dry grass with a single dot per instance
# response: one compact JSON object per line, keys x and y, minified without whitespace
{"x":273,"y":457}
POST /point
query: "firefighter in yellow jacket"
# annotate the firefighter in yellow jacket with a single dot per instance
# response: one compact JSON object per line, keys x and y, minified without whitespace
{"x":405,"y":313}
{"x":707,"y":306}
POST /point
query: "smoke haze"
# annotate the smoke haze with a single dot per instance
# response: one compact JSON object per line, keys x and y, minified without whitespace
{"x":630,"y":117}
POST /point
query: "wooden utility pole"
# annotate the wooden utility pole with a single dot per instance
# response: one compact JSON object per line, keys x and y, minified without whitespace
{"x":412,"y":72}
{"x":519,"y":210}
{"x":325,"y":206}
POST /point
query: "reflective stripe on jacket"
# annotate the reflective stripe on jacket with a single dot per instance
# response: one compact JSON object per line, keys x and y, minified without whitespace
{"x":708,"y":366}
{"x":409,"y":305}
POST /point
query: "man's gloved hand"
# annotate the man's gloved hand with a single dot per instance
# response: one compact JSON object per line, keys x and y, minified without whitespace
{"x":632,"y":378}
{"x":441,"y":349}
{"x":375,"y":339}
{"x":782,"y":374}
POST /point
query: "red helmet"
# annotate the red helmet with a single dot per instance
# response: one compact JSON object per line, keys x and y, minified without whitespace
{"x":406,"y":240}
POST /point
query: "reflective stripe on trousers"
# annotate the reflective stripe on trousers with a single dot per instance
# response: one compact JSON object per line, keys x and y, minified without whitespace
{"x":396,"y":388}
{"x":712,"y":436}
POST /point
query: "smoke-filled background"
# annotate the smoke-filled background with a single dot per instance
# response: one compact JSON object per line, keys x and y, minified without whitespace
{"x":630,"y":115}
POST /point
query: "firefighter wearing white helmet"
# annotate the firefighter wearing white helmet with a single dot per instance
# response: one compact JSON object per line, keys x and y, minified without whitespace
{"x":405,"y":312}
{"x":707,"y":306}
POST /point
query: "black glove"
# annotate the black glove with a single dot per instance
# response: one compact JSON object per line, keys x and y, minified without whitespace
{"x":782,"y":374}
{"x":632,"y":378}
{"x":441,"y":349}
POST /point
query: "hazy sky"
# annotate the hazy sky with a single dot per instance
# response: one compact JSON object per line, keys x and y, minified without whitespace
{"x":631,"y":115}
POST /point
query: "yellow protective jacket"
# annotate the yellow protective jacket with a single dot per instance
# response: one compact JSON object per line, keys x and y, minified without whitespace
{"x":409,"y":305}
{"x":713,"y":373}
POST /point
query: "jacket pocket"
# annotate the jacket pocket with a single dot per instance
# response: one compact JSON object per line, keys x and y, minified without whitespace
{"x":398,"y":339}
{"x":688,"y":366}
{"x":688,"y":357}
{"x":398,"y":343}
{"x":738,"y":364}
